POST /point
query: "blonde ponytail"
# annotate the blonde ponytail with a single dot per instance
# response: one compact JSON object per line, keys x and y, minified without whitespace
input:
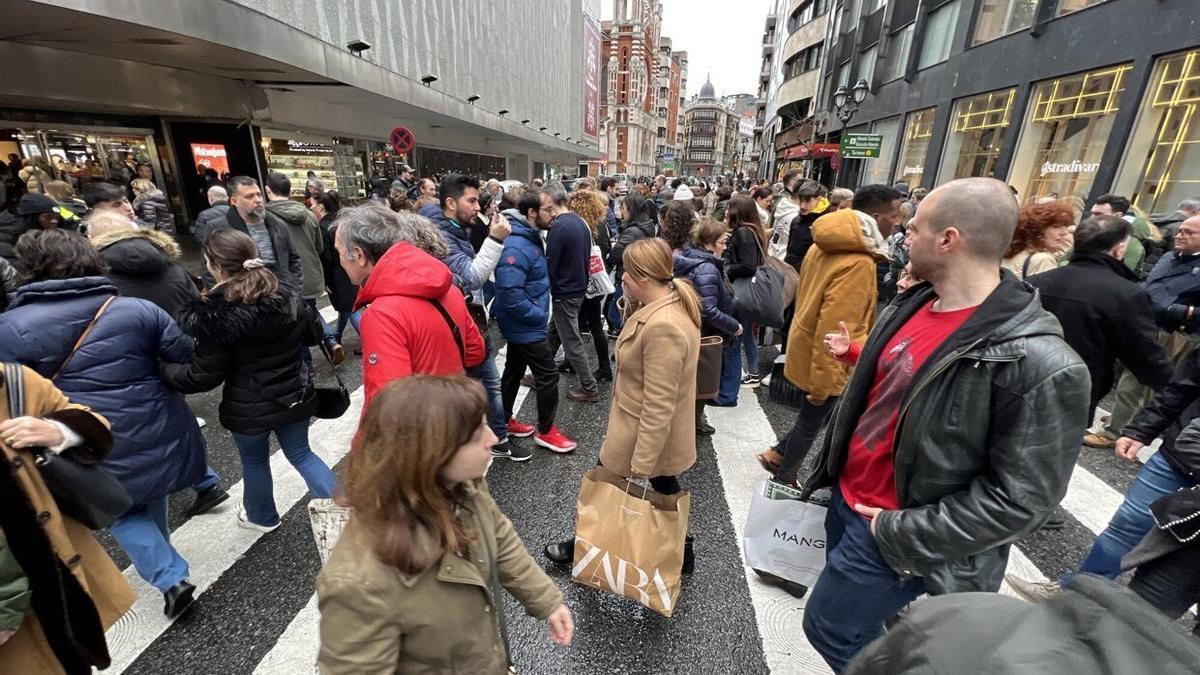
{"x":689,"y":299}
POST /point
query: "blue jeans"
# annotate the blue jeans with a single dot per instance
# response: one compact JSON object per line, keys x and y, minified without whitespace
{"x":255,"y":449}
{"x":143,"y":534}
{"x":615,"y":320}
{"x":344,"y":318}
{"x":1132,"y":521}
{"x":489,"y":376}
{"x":750,"y":346}
{"x":210,"y":480}
{"x":856,"y":592}
{"x":731,"y":374}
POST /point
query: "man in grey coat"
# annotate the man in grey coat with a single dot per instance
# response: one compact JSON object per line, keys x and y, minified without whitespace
{"x":214,"y":216}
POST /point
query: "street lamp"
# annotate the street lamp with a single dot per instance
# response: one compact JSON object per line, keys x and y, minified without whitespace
{"x":846,"y":103}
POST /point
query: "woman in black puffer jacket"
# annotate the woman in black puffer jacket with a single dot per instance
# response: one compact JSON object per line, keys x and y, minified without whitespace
{"x":248,"y":336}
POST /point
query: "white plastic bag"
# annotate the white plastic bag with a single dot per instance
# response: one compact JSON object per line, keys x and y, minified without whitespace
{"x":785,"y":536}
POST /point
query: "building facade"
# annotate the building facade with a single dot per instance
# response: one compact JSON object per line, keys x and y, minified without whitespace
{"x":788,"y":121}
{"x":251,"y":86}
{"x":672,"y":83}
{"x":629,"y":116}
{"x":710,"y":135}
{"x":1068,"y":97}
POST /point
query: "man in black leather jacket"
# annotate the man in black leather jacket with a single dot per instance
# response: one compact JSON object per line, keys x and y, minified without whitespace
{"x":955,"y":436}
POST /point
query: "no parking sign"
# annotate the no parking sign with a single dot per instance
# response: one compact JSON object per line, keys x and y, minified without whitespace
{"x":402,"y":140}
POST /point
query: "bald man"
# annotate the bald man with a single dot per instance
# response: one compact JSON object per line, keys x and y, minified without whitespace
{"x":957,"y":432}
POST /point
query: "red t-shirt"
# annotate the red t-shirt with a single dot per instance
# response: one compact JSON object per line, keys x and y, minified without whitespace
{"x":869,"y":476}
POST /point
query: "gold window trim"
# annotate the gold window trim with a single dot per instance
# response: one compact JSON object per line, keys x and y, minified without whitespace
{"x":963,"y":119}
{"x":1044,"y":104}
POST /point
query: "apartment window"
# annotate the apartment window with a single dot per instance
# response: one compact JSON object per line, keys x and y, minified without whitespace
{"x":998,"y":18}
{"x":812,"y":57}
{"x":977,"y":131}
{"x":866,"y":64}
{"x":806,"y":13}
{"x":1162,"y":160}
{"x":843,"y":74}
{"x":852,"y":9}
{"x":899,"y":46}
{"x":1068,"y":6}
{"x":1067,"y":127}
{"x":875,"y":5}
{"x":939,"y":35}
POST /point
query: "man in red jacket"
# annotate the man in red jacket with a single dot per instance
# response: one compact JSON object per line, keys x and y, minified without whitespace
{"x":415,"y":320}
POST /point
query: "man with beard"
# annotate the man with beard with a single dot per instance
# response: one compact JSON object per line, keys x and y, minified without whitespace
{"x":270,"y":235}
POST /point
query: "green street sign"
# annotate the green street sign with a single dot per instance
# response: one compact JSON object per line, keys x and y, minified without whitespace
{"x":861,"y":146}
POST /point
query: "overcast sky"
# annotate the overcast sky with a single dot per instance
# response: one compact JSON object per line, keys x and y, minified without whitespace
{"x":722,"y":38}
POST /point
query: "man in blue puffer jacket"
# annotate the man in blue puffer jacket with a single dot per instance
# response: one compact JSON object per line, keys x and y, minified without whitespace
{"x":522,"y":309}
{"x":458,"y":198}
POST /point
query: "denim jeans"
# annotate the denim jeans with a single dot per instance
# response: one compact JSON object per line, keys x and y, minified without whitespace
{"x":143,"y":533}
{"x":856,"y":592}
{"x":750,"y":347}
{"x":731,"y":374}
{"x":1132,"y":521}
{"x":255,"y":449}
{"x":615,"y":321}
{"x":795,"y":446}
{"x":210,"y":480}
{"x":489,"y":376}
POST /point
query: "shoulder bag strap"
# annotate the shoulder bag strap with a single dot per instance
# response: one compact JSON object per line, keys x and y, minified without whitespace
{"x":14,"y":385}
{"x":497,"y":598}
{"x":1025,"y":266}
{"x":462,"y":351}
{"x":83,"y":337}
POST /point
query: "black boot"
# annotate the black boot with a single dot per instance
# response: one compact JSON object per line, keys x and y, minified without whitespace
{"x":178,"y":599}
{"x":689,"y":555}
{"x":207,"y":500}
{"x":604,"y":375}
{"x":562,"y":552}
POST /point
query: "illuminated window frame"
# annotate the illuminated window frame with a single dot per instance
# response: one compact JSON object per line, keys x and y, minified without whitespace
{"x":963,"y":120}
{"x":1044,"y":105}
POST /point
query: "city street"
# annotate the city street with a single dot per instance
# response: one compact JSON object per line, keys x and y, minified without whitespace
{"x":256,"y":612}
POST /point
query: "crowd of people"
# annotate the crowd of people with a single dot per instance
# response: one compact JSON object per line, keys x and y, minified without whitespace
{"x":945,"y":349}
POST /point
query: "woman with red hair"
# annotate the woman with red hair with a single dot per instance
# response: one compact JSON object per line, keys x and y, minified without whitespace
{"x":1043,"y":235}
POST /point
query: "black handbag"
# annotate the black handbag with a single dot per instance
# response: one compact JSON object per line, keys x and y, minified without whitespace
{"x":332,"y":402}
{"x":86,"y":493}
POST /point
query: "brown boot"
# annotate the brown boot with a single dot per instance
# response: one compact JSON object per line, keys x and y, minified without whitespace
{"x":770,"y":460}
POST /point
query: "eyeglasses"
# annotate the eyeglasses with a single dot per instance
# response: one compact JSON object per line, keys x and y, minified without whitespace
{"x":1187,"y":233}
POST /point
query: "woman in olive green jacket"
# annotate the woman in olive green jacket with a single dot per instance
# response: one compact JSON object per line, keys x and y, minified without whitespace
{"x":413,"y":584}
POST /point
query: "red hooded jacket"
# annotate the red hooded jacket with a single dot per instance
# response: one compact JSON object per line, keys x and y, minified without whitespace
{"x":402,"y":331}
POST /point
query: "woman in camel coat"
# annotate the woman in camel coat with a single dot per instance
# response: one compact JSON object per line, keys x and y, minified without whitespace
{"x":71,"y":592}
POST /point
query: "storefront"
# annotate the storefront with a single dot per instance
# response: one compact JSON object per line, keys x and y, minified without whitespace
{"x":1066,"y":130}
{"x":334,"y":161}
{"x":978,"y":127}
{"x":81,"y":154}
{"x":879,"y":169}
{"x":1162,"y":160}
{"x":918,"y":129}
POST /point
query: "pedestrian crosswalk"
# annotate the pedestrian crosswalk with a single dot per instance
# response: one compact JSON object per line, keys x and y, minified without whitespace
{"x":729,"y":621}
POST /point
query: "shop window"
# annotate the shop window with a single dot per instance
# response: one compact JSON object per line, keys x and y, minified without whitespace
{"x":879,"y":170}
{"x":918,"y":129}
{"x":1162,"y":160}
{"x":977,"y":131}
{"x":998,"y":18}
{"x":1068,"y":6}
{"x":939,"y":35}
{"x":1065,"y":132}
{"x":899,"y":46}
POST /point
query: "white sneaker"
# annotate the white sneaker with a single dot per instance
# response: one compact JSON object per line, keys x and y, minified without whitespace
{"x":245,"y":523}
{"x":200,"y":422}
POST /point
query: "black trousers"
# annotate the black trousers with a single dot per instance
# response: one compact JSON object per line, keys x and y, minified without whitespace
{"x":591,"y":321}
{"x":1171,"y":583}
{"x":539,"y":358}
{"x":796,"y":444}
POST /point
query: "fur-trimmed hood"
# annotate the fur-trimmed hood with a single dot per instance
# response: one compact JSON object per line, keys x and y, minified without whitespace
{"x":137,"y":252}
{"x":216,"y":319}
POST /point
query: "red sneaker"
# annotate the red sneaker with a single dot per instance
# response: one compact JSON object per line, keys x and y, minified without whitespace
{"x":519,"y":429}
{"x":554,"y":441}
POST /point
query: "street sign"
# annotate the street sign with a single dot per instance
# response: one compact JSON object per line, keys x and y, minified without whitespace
{"x":402,"y":140}
{"x":861,"y":146}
